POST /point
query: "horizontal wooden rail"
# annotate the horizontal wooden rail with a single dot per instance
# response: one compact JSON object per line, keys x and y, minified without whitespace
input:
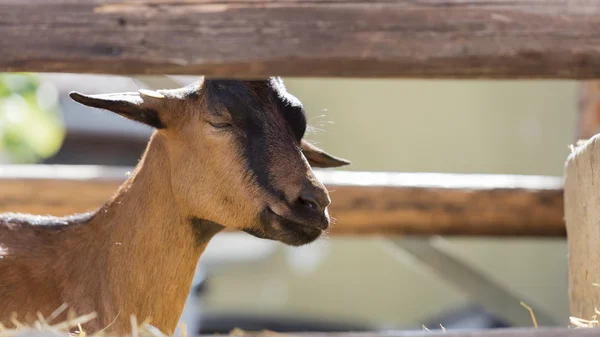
{"x":362,"y":202}
{"x":256,"y":38}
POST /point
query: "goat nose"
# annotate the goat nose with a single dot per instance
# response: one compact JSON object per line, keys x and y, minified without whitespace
{"x":315,"y":199}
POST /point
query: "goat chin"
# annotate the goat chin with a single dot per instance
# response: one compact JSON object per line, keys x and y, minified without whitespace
{"x":289,"y":232}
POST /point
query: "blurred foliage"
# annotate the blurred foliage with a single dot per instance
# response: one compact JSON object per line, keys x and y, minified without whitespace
{"x":31,"y":126}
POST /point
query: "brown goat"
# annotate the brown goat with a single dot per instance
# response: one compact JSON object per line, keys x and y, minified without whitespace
{"x":225,"y":153}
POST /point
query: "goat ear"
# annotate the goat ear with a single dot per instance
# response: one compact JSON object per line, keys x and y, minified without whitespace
{"x":319,"y":158}
{"x":130,"y":105}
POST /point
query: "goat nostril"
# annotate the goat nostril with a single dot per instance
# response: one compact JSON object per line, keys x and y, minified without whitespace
{"x":311,"y":204}
{"x":310,"y":201}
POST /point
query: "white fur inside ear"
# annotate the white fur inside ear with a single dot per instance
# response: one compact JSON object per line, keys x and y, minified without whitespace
{"x":151,"y":93}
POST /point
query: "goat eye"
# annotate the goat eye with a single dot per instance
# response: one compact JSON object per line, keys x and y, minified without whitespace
{"x":220,"y":125}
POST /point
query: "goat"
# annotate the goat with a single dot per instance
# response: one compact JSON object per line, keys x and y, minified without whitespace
{"x":224,"y":153}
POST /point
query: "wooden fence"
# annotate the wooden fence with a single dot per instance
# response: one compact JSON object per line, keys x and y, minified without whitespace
{"x":371,"y":38}
{"x":362,"y":202}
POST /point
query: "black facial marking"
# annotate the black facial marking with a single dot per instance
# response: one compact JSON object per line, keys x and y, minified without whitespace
{"x":204,"y":230}
{"x":253,"y":105}
{"x":296,"y":119}
{"x":292,"y":109}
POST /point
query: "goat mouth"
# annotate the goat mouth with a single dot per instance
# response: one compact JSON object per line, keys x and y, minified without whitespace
{"x":291,"y":232}
{"x":321,"y":226}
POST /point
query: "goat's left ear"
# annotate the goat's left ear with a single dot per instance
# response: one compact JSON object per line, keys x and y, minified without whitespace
{"x":135,"y":106}
{"x":319,"y":158}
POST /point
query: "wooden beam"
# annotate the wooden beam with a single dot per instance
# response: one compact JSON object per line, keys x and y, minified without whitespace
{"x":582,"y":216}
{"x":362,"y":202}
{"x":346,"y":38}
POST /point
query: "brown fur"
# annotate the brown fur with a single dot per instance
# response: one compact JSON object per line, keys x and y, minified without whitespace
{"x":137,"y":254}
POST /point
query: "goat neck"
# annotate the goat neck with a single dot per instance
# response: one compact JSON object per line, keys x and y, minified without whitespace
{"x":151,"y":248}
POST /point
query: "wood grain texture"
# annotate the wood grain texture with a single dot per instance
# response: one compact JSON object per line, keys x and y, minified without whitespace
{"x":588,"y":119}
{"x":363,"y":203}
{"x":582,"y":216}
{"x":334,"y":38}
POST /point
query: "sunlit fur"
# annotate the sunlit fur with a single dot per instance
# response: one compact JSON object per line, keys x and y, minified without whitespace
{"x":137,"y":253}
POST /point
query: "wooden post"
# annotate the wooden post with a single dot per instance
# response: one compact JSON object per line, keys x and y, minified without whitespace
{"x":588,"y":121}
{"x":582,"y":216}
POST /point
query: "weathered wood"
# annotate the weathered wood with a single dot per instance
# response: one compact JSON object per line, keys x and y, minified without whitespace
{"x":362,"y":202}
{"x":582,"y":216}
{"x":350,"y":38}
{"x":588,"y":121}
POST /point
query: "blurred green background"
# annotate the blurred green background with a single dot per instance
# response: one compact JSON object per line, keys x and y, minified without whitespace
{"x":31,"y":128}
